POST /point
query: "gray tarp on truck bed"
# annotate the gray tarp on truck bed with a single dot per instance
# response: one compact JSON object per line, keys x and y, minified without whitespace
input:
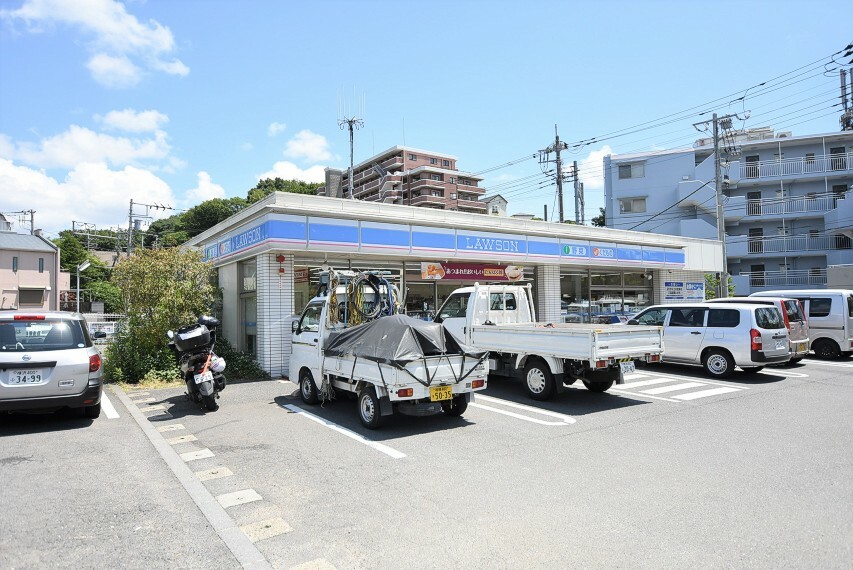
{"x":396,"y":339}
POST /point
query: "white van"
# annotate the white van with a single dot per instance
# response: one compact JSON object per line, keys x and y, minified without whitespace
{"x":830,"y":313}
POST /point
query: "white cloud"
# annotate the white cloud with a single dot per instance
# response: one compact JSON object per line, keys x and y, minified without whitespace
{"x":289,"y":171}
{"x":91,"y":193}
{"x":205,"y":190}
{"x":309,"y":146}
{"x":592,"y":168}
{"x":116,"y":37}
{"x":275,"y":128}
{"x":131,"y":121}
{"x":114,"y":71}
{"x":79,"y":144}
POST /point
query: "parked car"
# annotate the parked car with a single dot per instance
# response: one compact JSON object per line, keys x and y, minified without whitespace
{"x":48,"y":362}
{"x":830,"y":313}
{"x":719,"y":338}
{"x":795,"y":320}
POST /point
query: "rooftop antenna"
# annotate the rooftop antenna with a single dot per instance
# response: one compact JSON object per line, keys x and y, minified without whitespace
{"x":352,"y":121}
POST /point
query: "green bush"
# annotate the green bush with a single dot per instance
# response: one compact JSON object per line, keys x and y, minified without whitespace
{"x":239,"y":365}
{"x":125,"y":361}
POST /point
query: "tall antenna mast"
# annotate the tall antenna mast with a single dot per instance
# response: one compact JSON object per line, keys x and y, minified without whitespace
{"x":352,"y":122}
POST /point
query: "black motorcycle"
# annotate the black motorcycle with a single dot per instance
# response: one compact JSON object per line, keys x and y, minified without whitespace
{"x":201,"y":368}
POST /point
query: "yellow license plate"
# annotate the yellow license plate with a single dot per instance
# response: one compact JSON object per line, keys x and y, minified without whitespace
{"x":801,"y":347}
{"x":437,"y":393}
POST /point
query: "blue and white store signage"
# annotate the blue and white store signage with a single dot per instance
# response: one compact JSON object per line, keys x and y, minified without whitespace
{"x":353,"y":236}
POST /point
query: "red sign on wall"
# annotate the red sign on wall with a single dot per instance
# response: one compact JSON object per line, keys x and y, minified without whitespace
{"x":471,"y":272}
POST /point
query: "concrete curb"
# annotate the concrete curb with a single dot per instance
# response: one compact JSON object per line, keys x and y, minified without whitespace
{"x":237,"y":542}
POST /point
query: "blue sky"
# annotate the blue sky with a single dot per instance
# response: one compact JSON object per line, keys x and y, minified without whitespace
{"x":174,"y":102}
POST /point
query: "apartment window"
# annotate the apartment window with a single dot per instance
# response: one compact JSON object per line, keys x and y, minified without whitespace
{"x":433,"y":161}
{"x":445,"y":163}
{"x":452,"y":180}
{"x":752,"y":166}
{"x":14,"y":264}
{"x":413,"y":157}
{"x":437,"y":193}
{"x":41,"y":265}
{"x":452,"y":196}
{"x":632,"y":205}
{"x":435,"y":177}
{"x":418,"y":177}
{"x":837,"y":158}
{"x":634,"y":170}
{"x":495,"y":210}
{"x":809,"y":157}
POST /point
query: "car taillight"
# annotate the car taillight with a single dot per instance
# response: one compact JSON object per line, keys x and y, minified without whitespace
{"x":94,"y":362}
{"x":478,"y":383}
{"x":755,"y":340}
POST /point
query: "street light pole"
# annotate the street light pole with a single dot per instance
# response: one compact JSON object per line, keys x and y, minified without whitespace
{"x":82,"y":267}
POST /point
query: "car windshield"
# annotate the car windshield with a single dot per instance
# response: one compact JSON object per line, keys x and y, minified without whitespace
{"x":35,"y":335}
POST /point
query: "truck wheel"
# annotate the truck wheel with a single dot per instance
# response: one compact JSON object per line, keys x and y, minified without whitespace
{"x":718,"y":363}
{"x":598,"y":385}
{"x":368,"y":409}
{"x":307,"y":388}
{"x":539,"y":380}
{"x":455,"y":407}
{"x":826,"y":349}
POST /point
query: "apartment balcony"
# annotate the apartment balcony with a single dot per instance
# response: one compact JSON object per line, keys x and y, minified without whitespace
{"x":433,"y":201}
{"x":802,"y":279}
{"x":427,"y":183}
{"x":471,"y":206}
{"x":738,"y":247}
{"x":799,"y":205}
{"x":803,"y":167}
{"x":840,"y":217}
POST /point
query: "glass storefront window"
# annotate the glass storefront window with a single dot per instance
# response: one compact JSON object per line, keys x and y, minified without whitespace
{"x":249,"y":323}
{"x":248,"y":279}
{"x":603,"y":297}
{"x":574,"y":297}
{"x":606,"y":279}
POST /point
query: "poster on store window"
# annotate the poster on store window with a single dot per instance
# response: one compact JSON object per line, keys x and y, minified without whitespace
{"x":471,"y":272}
{"x":684,"y":291}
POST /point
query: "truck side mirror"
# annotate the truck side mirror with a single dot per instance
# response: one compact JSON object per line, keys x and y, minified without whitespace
{"x":633,"y":322}
{"x":294,"y":326}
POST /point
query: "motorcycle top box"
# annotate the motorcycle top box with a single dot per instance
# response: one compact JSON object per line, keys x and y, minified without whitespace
{"x":192,"y":337}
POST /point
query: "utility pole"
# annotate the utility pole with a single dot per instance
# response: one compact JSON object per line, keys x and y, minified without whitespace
{"x":721,"y":222}
{"x":556,"y":148}
{"x":726,"y":122}
{"x":130,"y":227}
{"x":846,"y":118}
{"x":579,"y":201}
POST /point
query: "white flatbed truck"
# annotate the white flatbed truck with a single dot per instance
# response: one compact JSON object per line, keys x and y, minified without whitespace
{"x":500,"y":319}
{"x":427,"y":385}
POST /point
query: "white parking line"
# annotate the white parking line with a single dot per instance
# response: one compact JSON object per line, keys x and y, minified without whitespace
{"x":108,"y":407}
{"x":629,"y":385}
{"x":564,"y":419}
{"x":704,"y":393}
{"x":673,"y":388}
{"x":391,"y":452}
{"x":836,"y":364}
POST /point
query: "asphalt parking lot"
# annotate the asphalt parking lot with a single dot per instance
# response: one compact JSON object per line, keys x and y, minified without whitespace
{"x":668,"y":470}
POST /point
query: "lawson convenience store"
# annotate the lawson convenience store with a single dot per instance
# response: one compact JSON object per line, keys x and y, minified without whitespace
{"x":269,"y":259}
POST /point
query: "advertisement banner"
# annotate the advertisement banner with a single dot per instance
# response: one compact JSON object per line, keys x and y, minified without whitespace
{"x":471,"y":271}
{"x":300,"y":275}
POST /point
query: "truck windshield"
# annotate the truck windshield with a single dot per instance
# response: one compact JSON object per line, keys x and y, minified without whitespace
{"x":455,"y":306}
{"x":311,"y":318}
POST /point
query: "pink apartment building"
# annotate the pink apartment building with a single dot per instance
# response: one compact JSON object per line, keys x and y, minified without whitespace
{"x":409,"y":177}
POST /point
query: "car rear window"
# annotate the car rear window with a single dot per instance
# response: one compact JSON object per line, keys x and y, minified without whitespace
{"x":820,"y":307}
{"x":23,"y":335}
{"x":850,"y":305}
{"x":792,"y":308}
{"x":726,"y":318}
{"x":768,"y":318}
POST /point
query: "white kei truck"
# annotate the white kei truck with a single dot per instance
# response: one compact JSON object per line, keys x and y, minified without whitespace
{"x":500,"y":320}
{"x":391,"y":363}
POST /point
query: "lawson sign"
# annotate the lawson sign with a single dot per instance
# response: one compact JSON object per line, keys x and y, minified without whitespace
{"x":296,"y":233}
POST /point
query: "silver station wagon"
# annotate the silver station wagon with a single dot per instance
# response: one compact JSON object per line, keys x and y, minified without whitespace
{"x":48,"y":362}
{"x":720,"y":337}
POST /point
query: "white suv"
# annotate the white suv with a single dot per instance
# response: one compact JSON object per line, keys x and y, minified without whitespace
{"x":48,"y":362}
{"x":720,"y":337}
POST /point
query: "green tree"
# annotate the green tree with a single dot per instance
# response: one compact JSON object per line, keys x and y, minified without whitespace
{"x":161,"y":289}
{"x":209,"y":213}
{"x":169,"y":232}
{"x":108,"y":293}
{"x":712,"y":286}
{"x":267,"y":186}
{"x":599,"y":221}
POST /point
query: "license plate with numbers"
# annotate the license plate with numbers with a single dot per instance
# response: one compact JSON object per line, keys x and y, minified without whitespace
{"x":438,"y":393}
{"x":35,"y":376}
